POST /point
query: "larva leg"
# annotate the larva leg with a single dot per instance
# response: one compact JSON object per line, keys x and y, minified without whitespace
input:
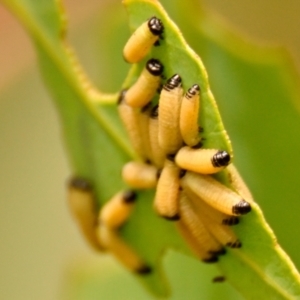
{"x":144,"y":89}
{"x":139,"y":175}
{"x":203,"y":161}
{"x":169,"y":136}
{"x":141,"y":41}
{"x":197,"y":228}
{"x":215,"y":194}
{"x":112,"y":216}
{"x":167,"y":192}
{"x":215,"y":215}
{"x":189,"y":113}
{"x":83,"y":208}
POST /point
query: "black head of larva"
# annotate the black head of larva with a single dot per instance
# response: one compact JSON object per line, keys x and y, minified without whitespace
{"x":129,"y":196}
{"x":194,"y":90}
{"x":241,"y":208}
{"x":173,"y":82}
{"x":154,"y":67}
{"x":221,"y":159}
{"x":156,"y":26}
{"x":80,"y":184}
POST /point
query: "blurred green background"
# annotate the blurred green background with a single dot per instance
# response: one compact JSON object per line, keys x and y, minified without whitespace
{"x":39,"y":241}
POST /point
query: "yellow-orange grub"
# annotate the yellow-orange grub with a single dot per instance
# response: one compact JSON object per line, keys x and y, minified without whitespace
{"x":141,"y":41}
{"x":204,"y":161}
{"x":82,"y":205}
{"x":215,"y":194}
{"x":167,"y":192}
{"x":146,"y":86}
{"x":139,"y":175}
{"x":189,"y":113}
{"x":169,"y":136}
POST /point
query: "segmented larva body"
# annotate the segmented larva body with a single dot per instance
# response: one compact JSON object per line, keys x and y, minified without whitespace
{"x":215,"y":194}
{"x":204,"y":161}
{"x":158,"y":154}
{"x":117,"y":210}
{"x":141,"y":41}
{"x":134,"y":124}
{"x":202,"y":207}
{"x":146,"y":86}
{"x":121,"y":250}
{"x":169,"y":136}
{"x":139,"y":175}
{"x":82,"y":205}
{"x":167,"y":192}
{"x":189,"y":113}
{"x":197,"y":228}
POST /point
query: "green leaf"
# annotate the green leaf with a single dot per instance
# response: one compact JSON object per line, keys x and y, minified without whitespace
{"x":94,"y":136}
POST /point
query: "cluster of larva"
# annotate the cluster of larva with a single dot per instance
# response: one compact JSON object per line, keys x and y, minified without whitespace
{"x":167,"y":139}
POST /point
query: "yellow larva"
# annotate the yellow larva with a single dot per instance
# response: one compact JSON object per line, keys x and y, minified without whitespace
{"x":122,"y":251}
{"x":223,"y":234}
{"x":197,"y":228}
{"x":169,"y":136}
{"x":215,"y":194}
{"x":167,"y":192}
{"x":117,"y":210}
{"x":157,"y":153}
{"x":141,"y":41}
{"x":194,"y":244}
{"x":215,"y":215}
{"x":139,"y":175}
{"x":238,"y":183}
{"x":189,"y":113}
{"x":131,"y":118}
{"x":82,"y":205}
{"x":204,"y":161}
{"x":146,"y":86}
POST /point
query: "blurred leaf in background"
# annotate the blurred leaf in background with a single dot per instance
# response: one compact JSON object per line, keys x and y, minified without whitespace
{"x":264,"y":140}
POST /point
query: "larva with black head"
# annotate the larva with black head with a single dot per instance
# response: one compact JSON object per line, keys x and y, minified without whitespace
{"x":83,"y":208}
{"x":141,"y":41}
{"x":215,"y":194}
{"x":169,"y":136}
{"x":189,"y":113}
{"x":204,"y":161}
{"x":144,"y":89}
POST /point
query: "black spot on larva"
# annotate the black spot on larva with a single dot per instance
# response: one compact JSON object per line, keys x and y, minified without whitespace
{"x":158,"y":173}
{"x":211,"y":259}
{"x":172,"y":218}
{"x":156,"y":26}
{"x":235,"y":244}
{"x":241,"y":208}
{"x":172,"y":83}
{"x":219,"y":279}
{"x":146,"y":108}
{"x":80,"y":184}
{"x":182,"y":172}
{"x":148,"y":161}
{"x":194,"y":90}
{"x":220,"y":159}
{"x":171,"y":157}
{"x":144,"y":270}
{"x":121,"y":98}
{"x":154,"y":112}
{"x":129,"y":196}
{"x":231,"y":221}
{"x":154,"y":67}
